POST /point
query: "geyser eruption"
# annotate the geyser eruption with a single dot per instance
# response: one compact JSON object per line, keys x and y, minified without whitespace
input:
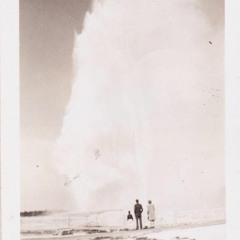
{"x":135,"y":125}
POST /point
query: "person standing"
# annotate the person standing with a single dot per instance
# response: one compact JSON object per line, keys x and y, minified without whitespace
{"x":129,"y":220}
{"x":129,"y":216}
{"x":138,"y":209}
{"x":151,"y":213}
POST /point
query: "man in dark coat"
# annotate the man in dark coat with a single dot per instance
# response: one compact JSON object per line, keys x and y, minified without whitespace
{"x":138,"y":213}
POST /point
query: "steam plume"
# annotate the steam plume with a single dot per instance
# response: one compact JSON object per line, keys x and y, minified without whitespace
{"x":142,"y":118}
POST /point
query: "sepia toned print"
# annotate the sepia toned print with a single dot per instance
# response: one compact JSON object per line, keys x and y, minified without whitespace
{"x":122,"y":103}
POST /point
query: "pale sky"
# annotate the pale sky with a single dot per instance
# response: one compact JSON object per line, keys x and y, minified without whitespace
{"x":145,"y":88}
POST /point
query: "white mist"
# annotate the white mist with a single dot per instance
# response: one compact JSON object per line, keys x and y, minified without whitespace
{"x":141,"y":121}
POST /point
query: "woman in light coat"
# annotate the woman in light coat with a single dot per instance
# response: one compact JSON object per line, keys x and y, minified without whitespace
{"x":151,"y":213}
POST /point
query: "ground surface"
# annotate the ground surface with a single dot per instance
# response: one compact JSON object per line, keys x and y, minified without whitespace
{"x":215,"y":232}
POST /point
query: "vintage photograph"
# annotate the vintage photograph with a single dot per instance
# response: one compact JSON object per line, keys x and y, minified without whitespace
{"x":122,"y":128}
